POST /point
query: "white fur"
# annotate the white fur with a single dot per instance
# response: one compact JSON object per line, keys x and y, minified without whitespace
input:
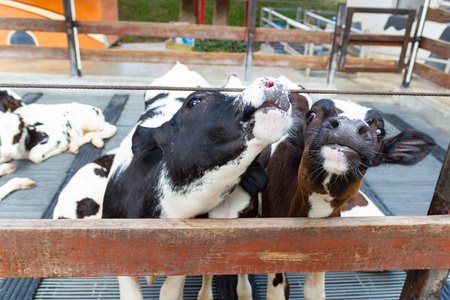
{"x":334,"y":160}
{"x":11,"y":93}
{"x":172,"y":288}
{"x":313,"y":289}
{"x":86,"y":124}
{"x":320,"y":205}
{"x":371,"y":210}
{"x":129,"y":288}
{"x":275,"y":292}
{"x":14,"y":184}
{"x":351,"y":110}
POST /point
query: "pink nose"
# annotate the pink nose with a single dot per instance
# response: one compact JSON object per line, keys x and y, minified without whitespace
{"x":266,"y":82}
{"x":7,"y":155}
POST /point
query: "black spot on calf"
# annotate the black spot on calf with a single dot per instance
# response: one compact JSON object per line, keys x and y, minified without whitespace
{"x":86,"y":207}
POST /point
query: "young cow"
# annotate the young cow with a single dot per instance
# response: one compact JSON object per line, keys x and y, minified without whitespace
{"x":316,"y":171}
{"x":9,"y":102}
{"x":39,"y":131}
{"x":82,"y":197}
{"x":184,"y":165}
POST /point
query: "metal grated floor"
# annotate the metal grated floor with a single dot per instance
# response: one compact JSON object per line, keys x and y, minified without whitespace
{"x":339,"y":285}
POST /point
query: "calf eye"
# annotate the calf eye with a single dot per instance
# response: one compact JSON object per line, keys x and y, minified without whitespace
{"x":193,"y":102}
{"x":311,"y":116}
{"x":379,"y":132}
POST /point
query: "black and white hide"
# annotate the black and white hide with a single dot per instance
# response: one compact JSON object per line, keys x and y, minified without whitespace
{"x":190,"y":151}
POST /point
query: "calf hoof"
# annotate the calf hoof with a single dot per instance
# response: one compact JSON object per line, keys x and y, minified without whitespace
{"x":151,"y":279}
{"x":97,"y":142}
{"x":74,"y":148}
{"x":24,"y":183}
{"x":7,"y":169}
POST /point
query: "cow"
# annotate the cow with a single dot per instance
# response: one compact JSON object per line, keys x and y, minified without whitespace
{"x":82,"y":197}
{"x":40,"y":131}
{"x":9,"y":102}
{"x":190,"y":152}
{"x":316,"y":171}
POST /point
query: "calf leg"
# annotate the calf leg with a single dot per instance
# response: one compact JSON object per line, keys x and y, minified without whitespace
{"x":7,"y":169}
{"x":14,"y":185}
{"x":244,"y":289}
{"x":314,"y":287}
{"x":42,"y":152}
{"x":277,"y":287}
{"x":205,"y":292}
{"x":129,"y":288}
{"x":173,"y":287}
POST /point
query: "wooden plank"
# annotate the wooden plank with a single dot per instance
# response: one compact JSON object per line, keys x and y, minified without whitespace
{"x":293,"y":36}
{"x":429,"y":284}
{"x":356,"y":61}
{"x":270,"y":60}
{"x":431,"y":74}
{"x":24,"y":24}
{"x":438,"y":15}
{"x":74,"y":248}
{"x":440,"y":47}
{"x":356,"y":38}
{"x":163,"y":30}
{"x":15,"y":51}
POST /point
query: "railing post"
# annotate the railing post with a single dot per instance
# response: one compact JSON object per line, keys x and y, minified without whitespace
{"x":415,"y":47}
{"x":250,"y":39}
{"x":429,"y":284}
{"x":335,"y":48}
{"x":72,"y":37}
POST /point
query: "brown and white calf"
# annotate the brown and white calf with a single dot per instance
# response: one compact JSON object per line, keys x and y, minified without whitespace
{"x":40,"y":131}
{"x":316,"y":171}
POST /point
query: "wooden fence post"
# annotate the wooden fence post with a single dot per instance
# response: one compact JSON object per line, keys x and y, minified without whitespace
{"x":250,"y":39}
{"x":428,"y":284}
{"x":334,"y":55}
{"x":72,"y":37}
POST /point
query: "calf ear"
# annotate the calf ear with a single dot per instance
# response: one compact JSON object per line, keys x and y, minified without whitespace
{"x":406,"y":148}
{"x":143,"y":141}
{"x":255,"y":179}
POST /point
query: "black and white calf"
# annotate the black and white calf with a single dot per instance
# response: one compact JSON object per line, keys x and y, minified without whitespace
{"x":39,"y":131}
{"x":318,"y":170}
{"x":185,"y":165}
{"x":9,"y":102}
{"x":82,"y":197}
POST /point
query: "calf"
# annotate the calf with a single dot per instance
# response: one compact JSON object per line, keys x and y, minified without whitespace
{"x":39,"y":131}
{"x":82,"y":197}
{"x":316,"y":171}
{"x":9,"y":102}
{"x":185,"y":165}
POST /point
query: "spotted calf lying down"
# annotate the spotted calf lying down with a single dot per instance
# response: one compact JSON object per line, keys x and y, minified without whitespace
{"x":9,"y":102}
{"x":82,"y":197}
{"x":318,"y":170}
{"x":39,"y":131}
{"x":190,"y":151}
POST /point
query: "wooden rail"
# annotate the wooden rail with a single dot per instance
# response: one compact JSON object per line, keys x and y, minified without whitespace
{"x":73,"y":248}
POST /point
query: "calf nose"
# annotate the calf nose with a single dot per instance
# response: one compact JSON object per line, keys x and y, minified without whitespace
{"x":7,"y":155}
{"x":348,"y":127}
{"x":267,"y":82}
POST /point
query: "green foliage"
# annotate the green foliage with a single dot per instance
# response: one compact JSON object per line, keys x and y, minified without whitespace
{"x":222,"y":46}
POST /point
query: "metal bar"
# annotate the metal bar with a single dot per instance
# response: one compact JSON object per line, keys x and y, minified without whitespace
{"x":429,"y":284}
{"x":250,"y":39}
{"x":412,"y":59}
{"x":58,"y":248}
{"x":346,"y":38}
{"x":335,"y":48}
{"x":406,"y":40}
{"x":72,"y":37}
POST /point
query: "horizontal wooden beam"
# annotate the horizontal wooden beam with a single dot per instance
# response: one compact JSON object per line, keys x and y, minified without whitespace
{"x":288,"y":61}
{"x":73,"y":248}
{"x":432,"y":74}
{"x":438,"y":47}
{"x":438,"y":15}
{"x":16,"y":51}
{"x":376,"y":39}
{"x":163,"y":30}
{"x":24,"y":24}
{"x":293,"y":36}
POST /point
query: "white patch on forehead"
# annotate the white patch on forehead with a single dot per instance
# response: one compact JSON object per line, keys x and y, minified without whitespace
{"x":351,"y":110}
{"x":208,"y":191}
{"x":320,"y":205}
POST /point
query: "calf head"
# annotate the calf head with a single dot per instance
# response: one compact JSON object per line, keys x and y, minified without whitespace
{"x":341,"y":141}
{"x":9,"y":101}
{"x":190,"y":163}
{"x":13,"y":135}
